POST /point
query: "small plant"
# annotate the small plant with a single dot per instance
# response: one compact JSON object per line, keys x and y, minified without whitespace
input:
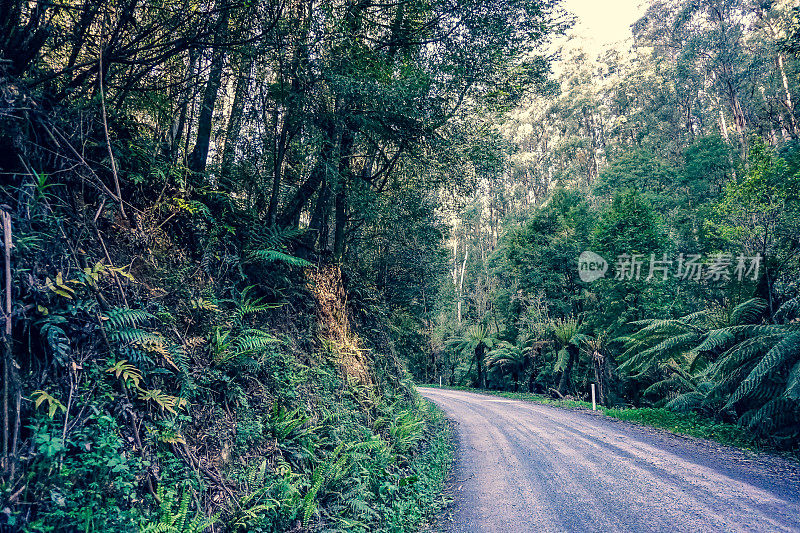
{"x":174,"y":515}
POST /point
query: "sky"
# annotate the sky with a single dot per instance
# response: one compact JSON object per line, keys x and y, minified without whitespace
{"x":603,"y":22}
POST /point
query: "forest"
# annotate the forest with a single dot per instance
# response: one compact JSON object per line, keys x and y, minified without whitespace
{"x":675,"y":164}
{"x":236,"y":234}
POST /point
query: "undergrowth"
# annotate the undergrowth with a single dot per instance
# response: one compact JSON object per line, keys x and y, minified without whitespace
{"x":191,"y":390}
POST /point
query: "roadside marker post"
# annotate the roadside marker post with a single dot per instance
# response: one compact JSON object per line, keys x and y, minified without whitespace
{"x":594,"y":405}
{"x":440,"y":380}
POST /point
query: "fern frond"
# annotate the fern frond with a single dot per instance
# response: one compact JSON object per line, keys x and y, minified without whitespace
{"x":793,"y":385}
{"x":135,"y":336}
{"x":674,"y":383}
{"x":771,"y":416}
{"x":317,"y":479}
{"x":249,"y":305}
{"x":122,"y":317}
{"x":274,"y":238}
{"x":271,"y":256}
{"x":690,"y":401}
{"x":788,"y":310}
{"x":788,"y":349}
{"x":252,"y":340}
{"x":714,"y":340}
{"x":747,"y":312}
{"x":667,"y":346}
{"x":738,"y":355}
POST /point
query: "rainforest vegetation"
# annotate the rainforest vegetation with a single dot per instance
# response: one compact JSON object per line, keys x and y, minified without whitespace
{"x":676,"y":161}
{"x":236,"y":233}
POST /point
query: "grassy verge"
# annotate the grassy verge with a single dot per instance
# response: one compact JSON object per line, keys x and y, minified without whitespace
{"x":690,"y":424}
{"x":430,"y":468}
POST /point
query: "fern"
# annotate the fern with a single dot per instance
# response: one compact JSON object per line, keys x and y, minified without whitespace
{"x":642,"y":361}
{"x":793,"y":385}
{"x":253,"y":340}
{"x":788,"y":310}
{"x":177,"y":520}
{"x":715,"y":340}
{"x":272,"y":256}
{"x":123,"y":317}
{"x":689,"y":401}
{"x":135,"y":336}
{"x":226,"y":347}
{"x":318,"y":478}
{"x":274,"y":238}
{"x":249,"y":305}
{"x":283,"y":423}
{"x":748,"y":312}
{"x":738,"y":355}
{"x":775,"y":414}
{"x":784,"y":351}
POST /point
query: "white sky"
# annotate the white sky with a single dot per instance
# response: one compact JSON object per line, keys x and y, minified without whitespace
{"x":603,"y":22}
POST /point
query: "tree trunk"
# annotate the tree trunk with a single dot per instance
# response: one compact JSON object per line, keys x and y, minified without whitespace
{"x":566,"y":376}
{"x":235,"y":120}
{"x":345,"y":154}
{"x":199,"y":155}
{"x":315,"y":179}
{"x":787,"y":100}
{"x":600,"y":376}
{"x":480,"y":349}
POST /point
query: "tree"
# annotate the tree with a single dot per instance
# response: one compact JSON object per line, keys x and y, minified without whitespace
{"x":516,"y":359}
{"x":474,"y":343}
{"x":565,"y":331}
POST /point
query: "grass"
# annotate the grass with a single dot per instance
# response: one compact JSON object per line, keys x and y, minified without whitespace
{"x":691,"y":424}
{"x":432,"y":465}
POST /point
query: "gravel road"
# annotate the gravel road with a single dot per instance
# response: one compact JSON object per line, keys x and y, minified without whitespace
{"x":522,"y":466}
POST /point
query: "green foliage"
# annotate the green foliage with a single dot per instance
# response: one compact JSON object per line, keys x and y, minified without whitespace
{"x":174,"y":515}
{"x":85,"y":481}
{"x":270,"y":256}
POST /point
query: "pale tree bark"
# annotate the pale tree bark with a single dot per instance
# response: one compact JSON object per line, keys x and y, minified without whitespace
{"x":787,"y":101}
{"x":234,"y":128}
{"x":460,"y":294}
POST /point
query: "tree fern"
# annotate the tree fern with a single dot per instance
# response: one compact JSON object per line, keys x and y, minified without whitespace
{"x":739,"y":354}
{"x":748,"y":312}
{"x":793,"y":384}
{"x":787,"y":350}
{"x":689,"y":401}
{"x":779,"y":413}
{"x":647,"y":359}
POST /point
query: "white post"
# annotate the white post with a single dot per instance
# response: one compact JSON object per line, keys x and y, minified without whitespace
{"x":594,"y":405}
{"x":440,"y":380}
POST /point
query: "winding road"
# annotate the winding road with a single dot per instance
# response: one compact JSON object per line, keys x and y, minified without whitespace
{"x":523,"y":466}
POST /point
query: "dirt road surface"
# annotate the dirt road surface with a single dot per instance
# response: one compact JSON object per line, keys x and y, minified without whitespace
{"x":522,"y":467}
